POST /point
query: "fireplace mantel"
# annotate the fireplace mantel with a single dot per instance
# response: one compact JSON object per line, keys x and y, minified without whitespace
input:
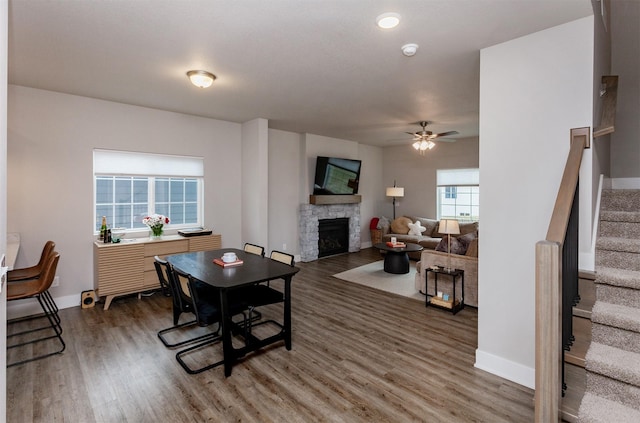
{"x":334,"y":199}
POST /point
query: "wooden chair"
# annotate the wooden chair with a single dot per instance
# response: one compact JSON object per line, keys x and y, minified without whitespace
{"x":32,"y":272}
{"x":38,"y":289}
{"x":182,"y":303}
{"x":254,"y":249}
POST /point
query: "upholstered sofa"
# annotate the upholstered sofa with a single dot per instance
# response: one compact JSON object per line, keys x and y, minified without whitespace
{"x":467,"y":262}
{"x":429,"y":239}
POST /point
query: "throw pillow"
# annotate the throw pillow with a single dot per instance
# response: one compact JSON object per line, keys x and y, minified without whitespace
{"x":457,"y":246}
{"x":467,"y":238}
{"x":472,"y":249}
{"x":400,"y":225}
{"x":416,"y":228}
{"x":383,"y":223}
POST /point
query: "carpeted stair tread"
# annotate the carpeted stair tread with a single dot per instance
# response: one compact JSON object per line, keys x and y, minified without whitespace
{"x":615,"y":315}
{"x":628,"y":230}
{"x":615,"y":337}
{"x":613,"y":362}
{"x":618,"y":295}
{"x":596,"y":409}
{"x":621,"y":199}
{"x":618,"y":277}
{"x":620,"y":216}
{"x":618,"y":244}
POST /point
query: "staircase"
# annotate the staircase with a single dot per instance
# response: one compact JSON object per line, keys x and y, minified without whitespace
{"x":613,"y":360}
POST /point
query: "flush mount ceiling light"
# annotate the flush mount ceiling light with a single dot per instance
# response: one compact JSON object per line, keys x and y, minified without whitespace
{"x":200,"y":78}
{"x":388,"y":20}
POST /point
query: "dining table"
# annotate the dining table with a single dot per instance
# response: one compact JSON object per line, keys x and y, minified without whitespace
{"x":253,"y":270}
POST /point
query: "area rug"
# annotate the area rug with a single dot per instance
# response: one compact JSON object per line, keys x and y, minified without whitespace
{"x":374,"y":276}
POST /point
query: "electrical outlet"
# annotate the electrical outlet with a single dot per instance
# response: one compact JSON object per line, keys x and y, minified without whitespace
{"x":56,"y":281}
{"x":284,"y":247}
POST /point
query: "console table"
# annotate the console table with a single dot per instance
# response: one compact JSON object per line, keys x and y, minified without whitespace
{"x":127,"y":267}
{"x":454,"y":305}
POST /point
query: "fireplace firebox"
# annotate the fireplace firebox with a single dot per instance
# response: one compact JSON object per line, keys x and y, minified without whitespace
{"x":333,"y":236}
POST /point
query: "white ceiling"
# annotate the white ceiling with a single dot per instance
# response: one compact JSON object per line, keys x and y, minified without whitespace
{"x":317,"y":66}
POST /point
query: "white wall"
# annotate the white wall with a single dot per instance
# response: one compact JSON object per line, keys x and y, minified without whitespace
{"x":255,"y":181}
{"x":532,"y":91}
{"x":417,"y":174}
{"x":284,"y":184}
{"x":3,"y":203}
{"x":371,"y":188}
{"x":51,"y":137}
{"x":625,"y":142}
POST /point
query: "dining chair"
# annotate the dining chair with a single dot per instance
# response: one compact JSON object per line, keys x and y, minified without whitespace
{"x":32,"y":272}
{"x":167,"y":291}
{"x":205,"y":301}
{"x":38,"y":289}
{"x":254,"y":249}
{"x":182,"y":303}
{"x":260,"y":295}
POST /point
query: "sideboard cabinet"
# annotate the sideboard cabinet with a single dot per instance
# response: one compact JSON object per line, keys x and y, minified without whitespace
{"x":127,"y":267}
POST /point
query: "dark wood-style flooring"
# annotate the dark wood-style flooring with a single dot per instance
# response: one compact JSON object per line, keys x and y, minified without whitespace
{"x":359,"y":355}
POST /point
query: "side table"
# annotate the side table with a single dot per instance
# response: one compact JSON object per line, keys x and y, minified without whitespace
{"x":454,"y":304}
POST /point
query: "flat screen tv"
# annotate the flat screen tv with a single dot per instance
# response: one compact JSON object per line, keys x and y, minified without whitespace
{"x":336,"y":176}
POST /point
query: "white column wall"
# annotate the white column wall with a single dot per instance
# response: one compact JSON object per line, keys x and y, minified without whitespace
{"x":4,"y":26}
{"x":255,"y":182}
{"x":532,"y":91}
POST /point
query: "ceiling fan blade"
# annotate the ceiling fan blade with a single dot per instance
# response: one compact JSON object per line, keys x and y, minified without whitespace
{"x":444,"y":134}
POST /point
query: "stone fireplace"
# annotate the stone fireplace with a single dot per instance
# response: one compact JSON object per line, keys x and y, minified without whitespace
{"x":333,"y":236}
{"x":310,"y":217}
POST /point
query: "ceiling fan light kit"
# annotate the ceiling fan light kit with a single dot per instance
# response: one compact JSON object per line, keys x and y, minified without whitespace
{"x":423,"y":139}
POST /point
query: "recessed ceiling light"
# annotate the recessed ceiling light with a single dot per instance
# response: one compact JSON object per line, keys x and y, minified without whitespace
{"x":388,"y":20}
{"x":200,"y":78}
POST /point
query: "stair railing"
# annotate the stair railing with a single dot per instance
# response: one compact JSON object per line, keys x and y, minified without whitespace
{"x":557,"y":286}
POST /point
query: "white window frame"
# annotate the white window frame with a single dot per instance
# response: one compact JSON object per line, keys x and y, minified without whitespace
{"x":112,"y":163}
{"x":456,"y":178}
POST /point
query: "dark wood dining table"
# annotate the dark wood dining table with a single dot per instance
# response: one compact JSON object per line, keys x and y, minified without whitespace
{"x":255,"y":269}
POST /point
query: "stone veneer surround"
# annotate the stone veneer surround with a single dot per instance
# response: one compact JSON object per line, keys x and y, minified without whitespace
{"x":310,"y":214}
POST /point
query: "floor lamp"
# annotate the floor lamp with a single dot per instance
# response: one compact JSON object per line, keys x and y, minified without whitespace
{"x":394,"y":192}
{"x":449,"y":227}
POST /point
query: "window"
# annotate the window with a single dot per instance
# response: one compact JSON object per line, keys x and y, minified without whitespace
{"x":130,"y":186}
{"x":450,"y":192}
{"x":458,"y":194}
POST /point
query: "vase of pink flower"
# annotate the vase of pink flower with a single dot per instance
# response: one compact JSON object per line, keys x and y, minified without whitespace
{"x":156,"y":223}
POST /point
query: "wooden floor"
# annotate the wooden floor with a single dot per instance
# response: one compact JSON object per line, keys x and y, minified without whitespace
{"x":359,"y":355}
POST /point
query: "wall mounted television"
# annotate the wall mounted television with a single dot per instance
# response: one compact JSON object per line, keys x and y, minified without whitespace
{"x":336,"y":176}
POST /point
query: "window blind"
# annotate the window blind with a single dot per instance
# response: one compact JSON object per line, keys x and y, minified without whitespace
{"x":112,"y":162}
{"x":458,"y":177}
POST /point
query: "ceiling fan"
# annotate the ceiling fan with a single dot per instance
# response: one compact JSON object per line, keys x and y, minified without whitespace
{"x":423,"y":140}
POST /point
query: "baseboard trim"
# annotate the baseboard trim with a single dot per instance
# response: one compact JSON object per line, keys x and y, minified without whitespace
{"x":625,"y":183}
{"x":23,"y":308}
{"x":506,"y":369}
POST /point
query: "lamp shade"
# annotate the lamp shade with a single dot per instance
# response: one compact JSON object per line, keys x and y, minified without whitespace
{"x":449,"y":226}
{"x":395,"y":192}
